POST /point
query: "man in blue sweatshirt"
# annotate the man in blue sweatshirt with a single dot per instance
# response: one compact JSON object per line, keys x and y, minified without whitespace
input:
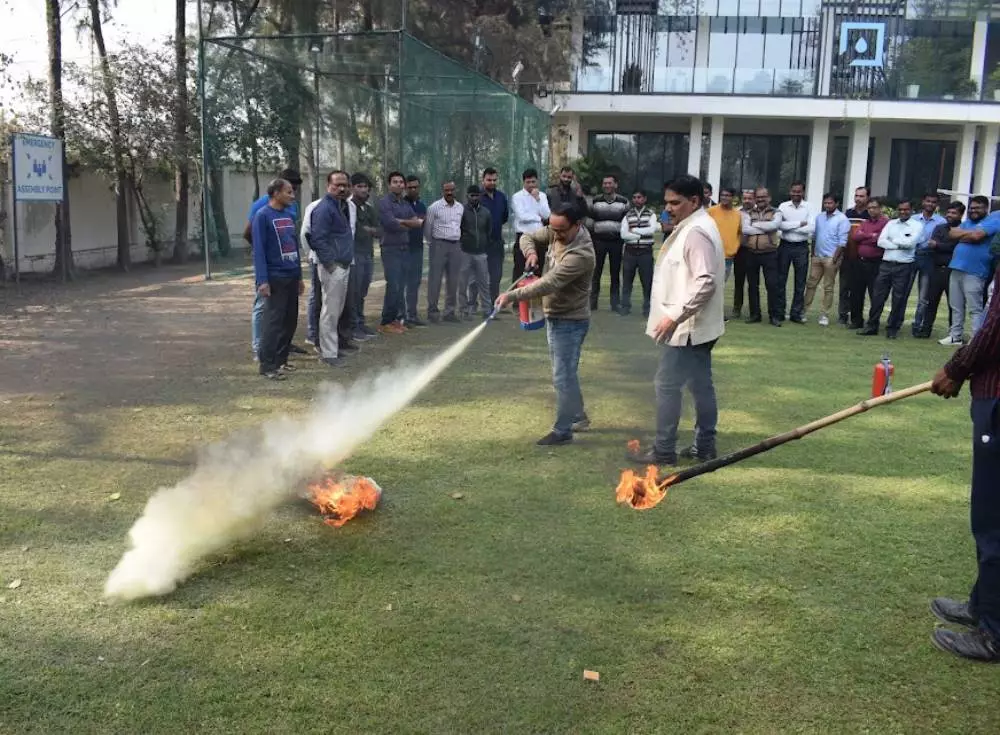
{"x":278,"y":274}
{"x":331,"y":240}
{"x":292,"y":176}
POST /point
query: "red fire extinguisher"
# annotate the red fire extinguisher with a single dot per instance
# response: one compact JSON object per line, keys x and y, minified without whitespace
{"x":882,"y":377}
{"x":531,"y":312}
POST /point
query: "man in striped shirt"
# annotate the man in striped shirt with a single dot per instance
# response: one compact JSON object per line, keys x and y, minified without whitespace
{"x":979,"y":363}
{"x":443,"y":227}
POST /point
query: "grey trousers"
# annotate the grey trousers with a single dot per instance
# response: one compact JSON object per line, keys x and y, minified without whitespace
{"x":965,"y":291}
{"x":446,"y":263}
{"x":474,"y":283}
{"x":335,"y":285}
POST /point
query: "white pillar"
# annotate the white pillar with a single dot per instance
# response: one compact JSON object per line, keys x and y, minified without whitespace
{"x":715,"y":153}
{"x":987,"y":164}
{"x":694,"y":145}
{"x":818,"y":145}
{"x":978,"y":64}
{"x":701,"y":40}
{"x":574,"y":148}
{"x":826,"y":51}
{"x":880,"y":165}
{"x":963,"y":162}
{"x":857,"y":158}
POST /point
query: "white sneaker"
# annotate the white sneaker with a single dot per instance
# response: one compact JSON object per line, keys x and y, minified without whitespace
{"x":824,"y":321}
{"x":949,"y":342}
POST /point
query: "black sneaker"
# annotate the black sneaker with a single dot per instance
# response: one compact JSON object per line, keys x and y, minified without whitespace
{"x":415,"y":322}
{"x":348,"y":347}
{"x":552,"y":439}
{"x":295,"y":349}
{"x":368,"y":330}
{"x":842,"y":320}
{"x":334,"y":362}
{"x":624,"y":312}
{"x":651,"y":457}
{"x":894,"y":334}
{"x":581,"y":425}
{"x":975,"y":645}
{"x":287,"y":368}
{"x":754,"y":320}
{"x":775,"y":322}
{"x":693,"y":453}
{"x":797,"y":319}
{"x":868,"y":332}
{"x":273,"y":375}
{"x":953,"y":611}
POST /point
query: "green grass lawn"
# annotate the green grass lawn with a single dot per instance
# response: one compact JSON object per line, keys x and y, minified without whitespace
{"x":786,"y":594}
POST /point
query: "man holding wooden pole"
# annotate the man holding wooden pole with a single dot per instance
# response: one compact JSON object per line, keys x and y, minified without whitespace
{"x":979,"y":363}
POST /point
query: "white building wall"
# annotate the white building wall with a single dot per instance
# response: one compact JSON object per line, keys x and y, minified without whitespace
{"x":94,"y":227}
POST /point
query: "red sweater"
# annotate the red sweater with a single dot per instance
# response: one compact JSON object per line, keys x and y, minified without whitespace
{"x":866,"y":238}
{"x":980,"y":359}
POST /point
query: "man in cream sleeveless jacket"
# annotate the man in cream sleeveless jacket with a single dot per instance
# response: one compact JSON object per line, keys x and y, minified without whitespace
{"x":686,"y":319}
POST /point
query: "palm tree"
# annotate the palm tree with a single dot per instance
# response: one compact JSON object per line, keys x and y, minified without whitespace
{"x":57,"y":126}
{"x":117,"y":146}
{"x":183,"y":162}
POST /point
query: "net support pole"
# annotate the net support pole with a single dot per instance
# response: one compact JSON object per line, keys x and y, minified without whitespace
{"x":204,"y":146}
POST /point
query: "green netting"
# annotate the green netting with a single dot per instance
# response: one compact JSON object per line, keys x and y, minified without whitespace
{"x":372,"y":102}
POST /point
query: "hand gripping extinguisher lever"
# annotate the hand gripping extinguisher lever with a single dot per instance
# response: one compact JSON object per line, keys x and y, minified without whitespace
{"x":514,"y":285}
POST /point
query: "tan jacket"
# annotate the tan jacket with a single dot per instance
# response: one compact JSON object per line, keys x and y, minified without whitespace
{"x":565,"y":287}
{"x":761,"y":229}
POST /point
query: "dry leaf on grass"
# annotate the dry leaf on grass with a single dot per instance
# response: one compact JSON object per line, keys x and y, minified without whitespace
{"x":591,"y":675}
{"x":115,"y":496}
{"x":457,"y":496}
{"x":14,"y":585}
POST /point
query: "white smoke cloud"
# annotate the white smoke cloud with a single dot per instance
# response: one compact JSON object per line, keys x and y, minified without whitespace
{"x":238,"y":482}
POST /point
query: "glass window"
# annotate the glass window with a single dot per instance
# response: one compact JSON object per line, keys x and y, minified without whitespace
{"x":920,"y":165}
{"x":650,"y":176}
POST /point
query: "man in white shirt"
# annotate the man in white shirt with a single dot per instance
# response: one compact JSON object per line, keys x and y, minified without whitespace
{"x":443,"y":227}
{"x":899,"y":240}
{"x":687,"y":319}
{"x":637,"y":230}
{"x":795,"y":229}
{"x":531,"y":211}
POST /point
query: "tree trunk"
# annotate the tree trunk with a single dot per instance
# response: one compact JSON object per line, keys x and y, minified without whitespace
{"x":117,"y":148}
{"x":57,"y":124}
{"x":183,"y":161}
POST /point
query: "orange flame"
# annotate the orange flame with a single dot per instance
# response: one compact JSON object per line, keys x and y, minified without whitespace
{"x":642,"y":493}
{"x":341,"y":500}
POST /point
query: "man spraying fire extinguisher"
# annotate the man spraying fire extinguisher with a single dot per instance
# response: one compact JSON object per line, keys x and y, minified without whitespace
{"x":565,"y":292}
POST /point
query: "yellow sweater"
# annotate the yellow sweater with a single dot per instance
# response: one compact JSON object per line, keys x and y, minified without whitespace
{"x":729,"y":223}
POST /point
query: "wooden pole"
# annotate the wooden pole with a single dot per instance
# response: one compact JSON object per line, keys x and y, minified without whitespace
{"x":777,"y":441}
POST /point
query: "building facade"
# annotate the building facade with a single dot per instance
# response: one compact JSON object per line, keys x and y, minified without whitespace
{"x":901,"y":95}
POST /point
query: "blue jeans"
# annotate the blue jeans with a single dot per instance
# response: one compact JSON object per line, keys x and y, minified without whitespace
{"x":414,"y":275}
{"x":685,"y":366}
{"x":565,"y":345}
{"x":314,"y":307}
{"x":361,"y":274}
{"x":729,"y":267}
{"x":256,"y":324}
{"x":985,"y":512}
{"x":394,"y":269}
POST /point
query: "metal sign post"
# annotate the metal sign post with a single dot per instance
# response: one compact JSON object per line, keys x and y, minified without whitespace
{"x":37,"y":168}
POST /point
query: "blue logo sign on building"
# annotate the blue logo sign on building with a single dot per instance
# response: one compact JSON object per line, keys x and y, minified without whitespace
{"x":863,"y":43}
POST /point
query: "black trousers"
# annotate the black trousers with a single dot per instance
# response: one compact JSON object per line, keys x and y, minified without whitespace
{"x":860,"y":275}
{"x":984,"y":601}
{"x":897,"y":278}
{"x":610,"y":250}
{"x":768,"y":264}
{"x":740,"y":278}
{"x":937,"y":286}
{"x":281,"y":316}
{"x":792,"y":255}
{"x":494,"y":264}
{"x":637,"y":260}
{"x":519,"y":259}
{"x":349,"y":316}
{"x":847,"y":291}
